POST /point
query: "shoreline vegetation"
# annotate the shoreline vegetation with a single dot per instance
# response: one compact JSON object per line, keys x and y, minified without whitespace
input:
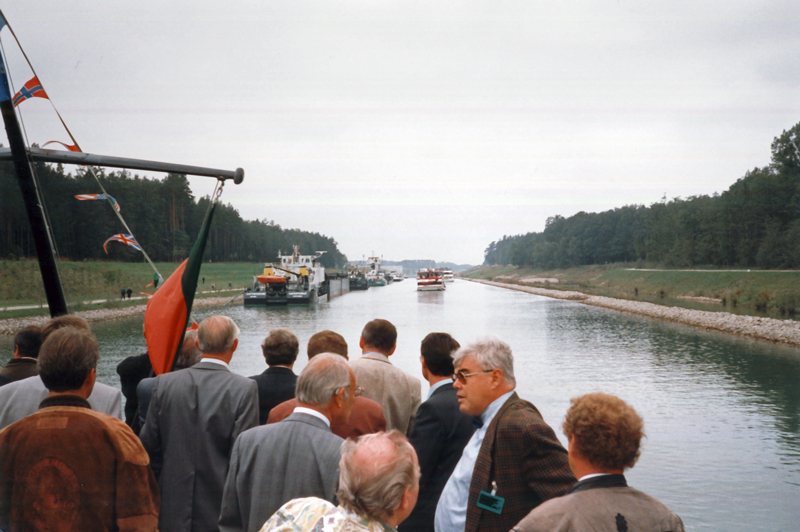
{"x":582,"y":284}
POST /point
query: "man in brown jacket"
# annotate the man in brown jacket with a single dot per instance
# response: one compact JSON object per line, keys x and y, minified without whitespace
{"x":26,"y":348}
{"x":67,"y":467}
{"x":604,"y":434}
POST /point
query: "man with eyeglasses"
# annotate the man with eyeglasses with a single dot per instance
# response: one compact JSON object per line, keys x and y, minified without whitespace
{"x":298,"y":457}
{"x":513,"y":462}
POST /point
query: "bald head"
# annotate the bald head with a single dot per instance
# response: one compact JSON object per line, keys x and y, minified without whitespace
{"x":377,"y":474}
{"x":217,"y":335}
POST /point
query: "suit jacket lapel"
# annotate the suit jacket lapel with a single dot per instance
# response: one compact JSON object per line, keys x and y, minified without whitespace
{"x":481,"y":475}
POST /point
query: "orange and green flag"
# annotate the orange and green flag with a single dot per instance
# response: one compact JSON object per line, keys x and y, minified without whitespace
{"x":168,"y":311}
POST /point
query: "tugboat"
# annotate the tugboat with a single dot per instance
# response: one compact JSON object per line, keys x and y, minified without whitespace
{"x":358,"y":280}
{"x":298,"y":280}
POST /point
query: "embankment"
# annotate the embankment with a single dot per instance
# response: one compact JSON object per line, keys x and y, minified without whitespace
{"x":12,"y":325}
{"x":774,"y":330}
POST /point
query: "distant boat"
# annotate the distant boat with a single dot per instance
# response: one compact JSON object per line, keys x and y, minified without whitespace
{"x":430,"y":280}
{"x":298,"y":280}
{"x":447,"y":275}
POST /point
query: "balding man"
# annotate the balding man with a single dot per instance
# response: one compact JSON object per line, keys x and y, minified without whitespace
{"x":367,"y":416}
{"x":378,"y":488}
{"x":604,"y":433}
{"x":297,"y":457}
{"x":513,"y":462}
{"x":195,"y":415}
{"x":21,"y":398}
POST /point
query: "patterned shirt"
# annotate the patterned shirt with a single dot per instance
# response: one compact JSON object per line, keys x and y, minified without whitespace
{"x":317,"y":515}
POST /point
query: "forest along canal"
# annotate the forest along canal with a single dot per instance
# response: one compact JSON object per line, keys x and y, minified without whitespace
{"x":722,"y":414}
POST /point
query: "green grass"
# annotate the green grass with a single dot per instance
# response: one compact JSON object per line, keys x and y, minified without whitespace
{"x":21,"y":282}
{"x":758,"y":291}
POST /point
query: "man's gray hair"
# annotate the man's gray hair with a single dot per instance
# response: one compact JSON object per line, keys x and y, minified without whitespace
{"x":321,"y":378}
{"x":374,"y":472}
{"x":216,"y":335}
{"x":490,"y":353}
{"x":189,"y":355}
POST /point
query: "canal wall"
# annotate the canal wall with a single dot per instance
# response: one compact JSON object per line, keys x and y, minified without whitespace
{"x":773,"y":330}
{"x":337,"y":287}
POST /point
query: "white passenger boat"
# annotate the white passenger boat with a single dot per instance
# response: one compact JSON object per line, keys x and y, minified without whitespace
{"x":429,"y":280}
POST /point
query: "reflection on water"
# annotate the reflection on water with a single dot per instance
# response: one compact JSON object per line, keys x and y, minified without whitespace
{"x":722,"y":414}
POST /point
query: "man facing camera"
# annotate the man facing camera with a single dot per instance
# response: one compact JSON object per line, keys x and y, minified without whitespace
{"x":604,"y":435}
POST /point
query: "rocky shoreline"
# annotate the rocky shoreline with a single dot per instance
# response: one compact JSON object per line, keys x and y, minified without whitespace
{"x":778,"y":331}
{"x":12,"y":325}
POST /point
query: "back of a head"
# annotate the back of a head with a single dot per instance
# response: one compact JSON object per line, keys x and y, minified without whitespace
{"x":321,"y":378}
{"x":64,"y":321}
{"x":437,"y":350}
{"x":380,"y":334}
{"x":490,"y":353}
{"x":280,"y":348}
{"x":216,"y":334}
{"x":326,"y":342}
{"x":66,"y":358}
{"x":607,"y":430}
{"x":29,"y":341}
{"x":189,"y":355}
{"x":374,"y":472}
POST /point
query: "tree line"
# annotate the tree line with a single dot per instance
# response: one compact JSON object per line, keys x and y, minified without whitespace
{"x":755,"y":223}
{"x":163,"y":214}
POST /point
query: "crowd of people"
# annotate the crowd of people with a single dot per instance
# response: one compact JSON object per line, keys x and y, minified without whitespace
{"x":346,"y":445}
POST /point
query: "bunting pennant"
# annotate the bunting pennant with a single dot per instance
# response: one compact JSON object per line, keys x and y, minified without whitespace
{"x":125,"y":239}
{"x":99,"y":197}
{"x":70,"y":147}
{"x":32,"y":89}
{"x":167,"y":314}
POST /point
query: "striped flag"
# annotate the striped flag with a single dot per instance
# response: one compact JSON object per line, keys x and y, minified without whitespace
{"x":99,"y":197}
{"x":125,"y":239}
{"x":32,"y":89}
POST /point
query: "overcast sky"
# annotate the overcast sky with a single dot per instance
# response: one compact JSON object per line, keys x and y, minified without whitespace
{"x":420,"y":130}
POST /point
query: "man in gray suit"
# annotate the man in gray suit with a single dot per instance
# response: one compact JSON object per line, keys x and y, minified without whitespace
{"x":398,"y":393}
{"x":298,"y":457}
{"x":195,"y":415}
{"x":21,"y":398}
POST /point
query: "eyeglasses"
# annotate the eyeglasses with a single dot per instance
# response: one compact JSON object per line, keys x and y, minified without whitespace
{"x":461,"y":376}
{"x":358,"y":392}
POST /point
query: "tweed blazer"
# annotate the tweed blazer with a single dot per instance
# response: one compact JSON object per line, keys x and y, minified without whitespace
{"x":521,"y":453}
{"x":195,"y":416}
{"x":398,"y":393}
{"x":271,"y":465}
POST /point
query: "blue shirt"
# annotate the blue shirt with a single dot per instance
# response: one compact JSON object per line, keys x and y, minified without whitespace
{"x":437,"y":386}
{"x":451,"y":512}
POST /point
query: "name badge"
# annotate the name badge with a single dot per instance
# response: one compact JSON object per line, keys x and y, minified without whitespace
{"x":491,"y":502}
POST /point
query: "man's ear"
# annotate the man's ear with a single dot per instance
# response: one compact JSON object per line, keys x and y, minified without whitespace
{"x":235,"y":345}
{"x":390,"y":353}
{"x":361,"y":343}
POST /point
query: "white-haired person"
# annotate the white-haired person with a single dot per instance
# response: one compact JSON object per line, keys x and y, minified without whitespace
{"x":378,"y":488}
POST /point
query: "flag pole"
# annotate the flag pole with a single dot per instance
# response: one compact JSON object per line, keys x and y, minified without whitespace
{"x":54,"y":291}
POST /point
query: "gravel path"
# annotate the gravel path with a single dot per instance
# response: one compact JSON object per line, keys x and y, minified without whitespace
{"x":12,"y":325}
{"x":779,"y":331}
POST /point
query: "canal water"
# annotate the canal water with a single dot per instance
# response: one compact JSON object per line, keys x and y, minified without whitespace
{"x":722,"y":414}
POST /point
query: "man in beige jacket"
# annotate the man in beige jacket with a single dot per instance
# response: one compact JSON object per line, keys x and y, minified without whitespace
{"x":398,"y":393}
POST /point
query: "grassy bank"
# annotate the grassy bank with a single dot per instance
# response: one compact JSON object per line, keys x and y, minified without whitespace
{"x":21,"y":282}
{"x":763,"y":292}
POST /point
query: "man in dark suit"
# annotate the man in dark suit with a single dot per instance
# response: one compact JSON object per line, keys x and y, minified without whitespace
{"x":440,"y":430}
{"x":513,"y":462}
{"x":277,"y":383}
{"x":298,"y":457}
{"x":23,"y":362}
{"x":367,"y":416}
{"x":195,"y":415}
